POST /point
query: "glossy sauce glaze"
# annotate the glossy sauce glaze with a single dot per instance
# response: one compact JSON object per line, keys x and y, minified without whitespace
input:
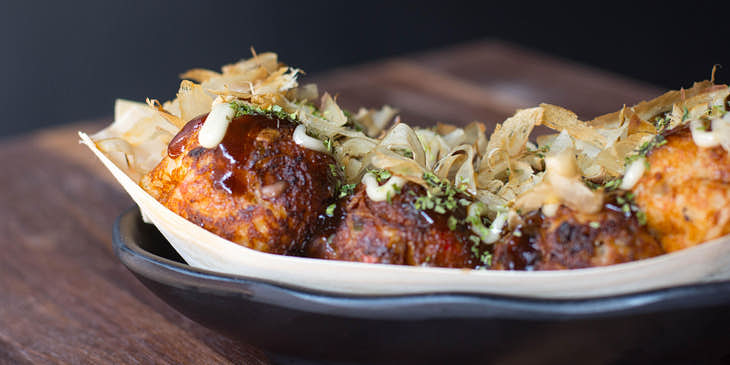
{"x":395,"y":232}
{"x":521,"y":251}
{"x":572,"y":240}
{"x":257,"y":187}
{"x":178,"y":144}
{"x":250,"y":141}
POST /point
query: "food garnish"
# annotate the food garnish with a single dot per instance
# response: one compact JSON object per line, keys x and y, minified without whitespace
{"x":484,"y":190}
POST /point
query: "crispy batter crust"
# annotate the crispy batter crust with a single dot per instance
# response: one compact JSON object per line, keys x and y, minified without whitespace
{"x":685,"y":193}
{"x":394,"y":233}
{"x":572,"y":240}
{"x":257,"y":188}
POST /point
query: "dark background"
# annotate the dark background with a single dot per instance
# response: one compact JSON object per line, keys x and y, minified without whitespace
{"x":68,"y":61}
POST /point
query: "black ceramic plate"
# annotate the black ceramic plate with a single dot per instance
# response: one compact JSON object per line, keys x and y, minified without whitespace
{"x":688,"y":324}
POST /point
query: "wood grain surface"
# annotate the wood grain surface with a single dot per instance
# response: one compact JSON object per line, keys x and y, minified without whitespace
{"x":65,"y":298}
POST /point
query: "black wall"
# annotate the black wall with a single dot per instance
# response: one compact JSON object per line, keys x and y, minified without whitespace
{"x":68,"y":61}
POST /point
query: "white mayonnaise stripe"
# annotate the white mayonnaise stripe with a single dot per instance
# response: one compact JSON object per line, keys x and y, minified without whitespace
{"x":634,"y":172}
{"x":475,"y":211}
{"x":378,"y":192}
{"x":216,"y":124}
{"x":720,"y":134}
{"x":702,"y":137}
{"x":301,"y":138}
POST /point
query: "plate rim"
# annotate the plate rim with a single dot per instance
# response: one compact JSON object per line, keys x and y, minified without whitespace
{"x":436,"y":305}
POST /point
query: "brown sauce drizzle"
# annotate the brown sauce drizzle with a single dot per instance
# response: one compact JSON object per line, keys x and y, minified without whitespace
{"x":240,"y":148}
{"x":319,"y":240}
{"x":177,"y":145}
{"x":522,"y":250}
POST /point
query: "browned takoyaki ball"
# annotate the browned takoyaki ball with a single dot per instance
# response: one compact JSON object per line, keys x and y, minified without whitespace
{"x":685,"y":192}
{"x":257,"y":188}
{"x":395,"y":232}
{"x":572,"y":240}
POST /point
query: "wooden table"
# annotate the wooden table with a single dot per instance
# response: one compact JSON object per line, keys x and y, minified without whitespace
{"x":65,"y":298}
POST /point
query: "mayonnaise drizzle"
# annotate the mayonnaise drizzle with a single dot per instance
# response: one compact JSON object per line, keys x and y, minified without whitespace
{"x":549,"y":210}
{"x":494,"y":232}
{"x":720,"y":134}
{"x":495,"y":229}
{"x":634,"y":172}
{"x":214,"y":129}
{"x":702,"y":137}
{"x":221,"y":114}
{"x":378,"y":192}
{"x":301,"y":138}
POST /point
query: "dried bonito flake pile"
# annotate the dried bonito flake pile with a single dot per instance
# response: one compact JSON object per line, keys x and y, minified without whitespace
{"x":505,"y":171}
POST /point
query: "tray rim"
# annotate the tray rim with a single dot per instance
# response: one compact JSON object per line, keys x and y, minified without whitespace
{"x":419,"y":306}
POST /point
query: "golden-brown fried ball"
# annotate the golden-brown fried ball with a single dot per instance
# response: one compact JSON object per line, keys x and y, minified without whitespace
{"x":685,"y":193}
{"x":395,"y":232}
{"x":573,"y":240}
{"x":257,"y":188}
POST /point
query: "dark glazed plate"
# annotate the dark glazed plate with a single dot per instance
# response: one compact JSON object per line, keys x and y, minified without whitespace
{"x":689,"y":324}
